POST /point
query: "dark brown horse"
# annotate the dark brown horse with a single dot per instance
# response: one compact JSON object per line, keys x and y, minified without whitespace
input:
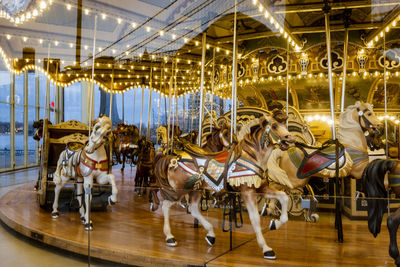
{"x":242,"y":167}
{"x":129,"y":137}
{"x":144,"y":168}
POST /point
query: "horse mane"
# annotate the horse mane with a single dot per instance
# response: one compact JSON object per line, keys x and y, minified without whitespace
{"x":375,"y":191}
{"x":252,"y":141}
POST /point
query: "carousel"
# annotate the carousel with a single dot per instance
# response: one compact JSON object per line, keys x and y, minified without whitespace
{"x":252,"y":132}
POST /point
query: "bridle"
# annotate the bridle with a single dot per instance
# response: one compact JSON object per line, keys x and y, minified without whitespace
{"x":367,"y":123}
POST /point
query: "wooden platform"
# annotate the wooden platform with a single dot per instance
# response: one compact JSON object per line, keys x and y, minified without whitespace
{"x":129,"y":233}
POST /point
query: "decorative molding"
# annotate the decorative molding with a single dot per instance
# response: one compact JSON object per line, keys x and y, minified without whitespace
{"x":277,"y":65}
{"x":337,"y":61}
{"x":392,"y":60}
{"x":72,"y":124}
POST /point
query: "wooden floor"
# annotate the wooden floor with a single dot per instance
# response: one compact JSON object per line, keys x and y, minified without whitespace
{"x":129,"y":233}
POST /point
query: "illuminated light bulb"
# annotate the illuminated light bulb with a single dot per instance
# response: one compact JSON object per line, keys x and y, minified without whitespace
{"x":271,"y":20}
{"x":28,"y":15}
{"x":140,"y":54}
{"x":25,"y":39}
{"x":161,"y":33}
{"x":126,"y":53}
{"x":376,"y":38}
{"x":370,"y":44}
{"x":148,"y":29}
{"x":68,"y":6}
{"x":381,"y":34}
{"x":119,"y":20}
{"x":133,"y":24}
{"x":266,"y":15}
{"x":227,"y":52}
{"x":173,"y":36}
{"x":71,"y":45}
{"x":103,"y":16}
{"x":99,"y":49}
{"x":394,"y":23}
{"x":8,"y":37}
{"x":293,"y":43}
{"x":42,"y":4}
{"x":165,"y":59}
{"x":392,"y":118}
{"x":86,"y":11}
{"x":218,"y":49}
{"x":196,"y":43}
{"x":280,"y":30}
{"x":276,"y":25}
{"x":260,"y":8}
{"x":387,"y":28}
{"x":185,"y":40}
{"x":35,"y":13}
{"x":189,"y":61}
{"x":254,"y":2}
{"x":153,"y":56}
{"x":290,"y":39}
{"x":285,"y":35}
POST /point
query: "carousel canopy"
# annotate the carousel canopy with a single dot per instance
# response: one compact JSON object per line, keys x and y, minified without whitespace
{"x":158,"y":44}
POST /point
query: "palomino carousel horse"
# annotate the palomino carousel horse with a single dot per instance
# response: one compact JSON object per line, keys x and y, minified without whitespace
{"x":144,"y":169}
{"x":242,"y":167}
{"x":358,"y":130}
{"x":85,"y":164}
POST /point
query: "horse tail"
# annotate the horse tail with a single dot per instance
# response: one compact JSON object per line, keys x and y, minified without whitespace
{"x":57,"y":173}
{"x":375,"y":191}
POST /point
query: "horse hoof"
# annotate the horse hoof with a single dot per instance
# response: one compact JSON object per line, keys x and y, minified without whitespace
{"x":272,"y":225}
{"x":83,"y":220}
{"x":88,"y":226}
{"x":270,"y":255}
{"x":171,"y":242}
{"x":210,"y":240}
{"x":110,"y":202}
{"x":54,"y":215}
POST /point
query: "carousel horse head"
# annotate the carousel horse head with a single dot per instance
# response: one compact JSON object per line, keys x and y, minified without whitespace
{"x":161,"y":133}
{"x":38,"y":125}
{"x":276,"y":130}
{"x":101,"y":129}
{"x":364,"y":117}
{"x":225,"y":135}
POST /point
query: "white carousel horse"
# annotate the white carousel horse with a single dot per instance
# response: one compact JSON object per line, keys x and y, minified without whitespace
{"x":86,"y":164}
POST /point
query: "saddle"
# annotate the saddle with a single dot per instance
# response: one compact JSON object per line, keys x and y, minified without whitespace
{"x":199,"y":152}
{"x":69,"y":161}
{"x":318,"y":160}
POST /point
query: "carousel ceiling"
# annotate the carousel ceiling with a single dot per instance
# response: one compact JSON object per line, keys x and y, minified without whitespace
{"x":158,"y":44}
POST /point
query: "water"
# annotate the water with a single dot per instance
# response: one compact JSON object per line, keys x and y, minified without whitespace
{"x":5,"y":155}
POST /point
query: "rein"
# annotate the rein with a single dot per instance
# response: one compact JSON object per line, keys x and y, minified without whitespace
{"x":362,"y":117}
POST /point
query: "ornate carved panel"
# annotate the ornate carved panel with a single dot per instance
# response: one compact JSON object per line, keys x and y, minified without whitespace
{"x":337,"y":61}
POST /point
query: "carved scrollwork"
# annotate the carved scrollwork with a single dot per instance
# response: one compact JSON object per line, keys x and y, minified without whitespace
{"x":241,"y":70}
{"x":277,"y":65}
{"x":337,"y":61}
{"x":216,"y":76}
{"x":255,"y":67}
{"x":72,"y":124}
{"x":75,"y":137}
{"x":392,"y":60}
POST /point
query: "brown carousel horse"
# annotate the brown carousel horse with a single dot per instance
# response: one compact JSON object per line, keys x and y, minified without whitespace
{"x":243,"y":167}
{"x":129,"y":137}
{"x":144,"y":170}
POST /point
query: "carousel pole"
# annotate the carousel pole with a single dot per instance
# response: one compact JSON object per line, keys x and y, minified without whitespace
{"x":134,"y":105}
{"x":47,"y":97}
{"x":88,"y":190}
{"x":212,"y":89}
{"x":159,"y":101}
{"x":112,"y":92}
{"x":287,"y":83}
{"x":173,"y":110}
{"x":191,"y":113}
{"x":169,"y":105}
{"x":338,"y":210}
{"x":345,"y":48}
{"x":92,"y":80}
{"x":184,"y":112}
{"x":385,"y":93}
{"x":234,"y":77}
{"x":149,"y":115}
{"x":386,"y":116}
{"x":141,"y":113}
{"x":55,"y":96}
{"x":203,"y":60}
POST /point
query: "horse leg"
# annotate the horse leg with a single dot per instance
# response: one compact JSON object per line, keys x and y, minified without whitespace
{"x":123,"y":161}
{"x":88,"y":186}
{"x":283,"y":199}
{"x":79,"y":194}
{"x":171,"y":242}
{"x":57,"y":190}
{"x":195,"y":198}
{"x":393,"y":222}
{"x":249,"y":198}
{"x":105,"y":178}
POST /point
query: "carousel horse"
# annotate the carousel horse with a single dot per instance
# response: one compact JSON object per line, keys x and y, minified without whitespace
{"x":85,"y":163}
{"x":359,"y":129}
{"x":144,"y":170}
{"x":129,"y":137}
{"x":242,"y":167}
{"x":162,"y":137}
